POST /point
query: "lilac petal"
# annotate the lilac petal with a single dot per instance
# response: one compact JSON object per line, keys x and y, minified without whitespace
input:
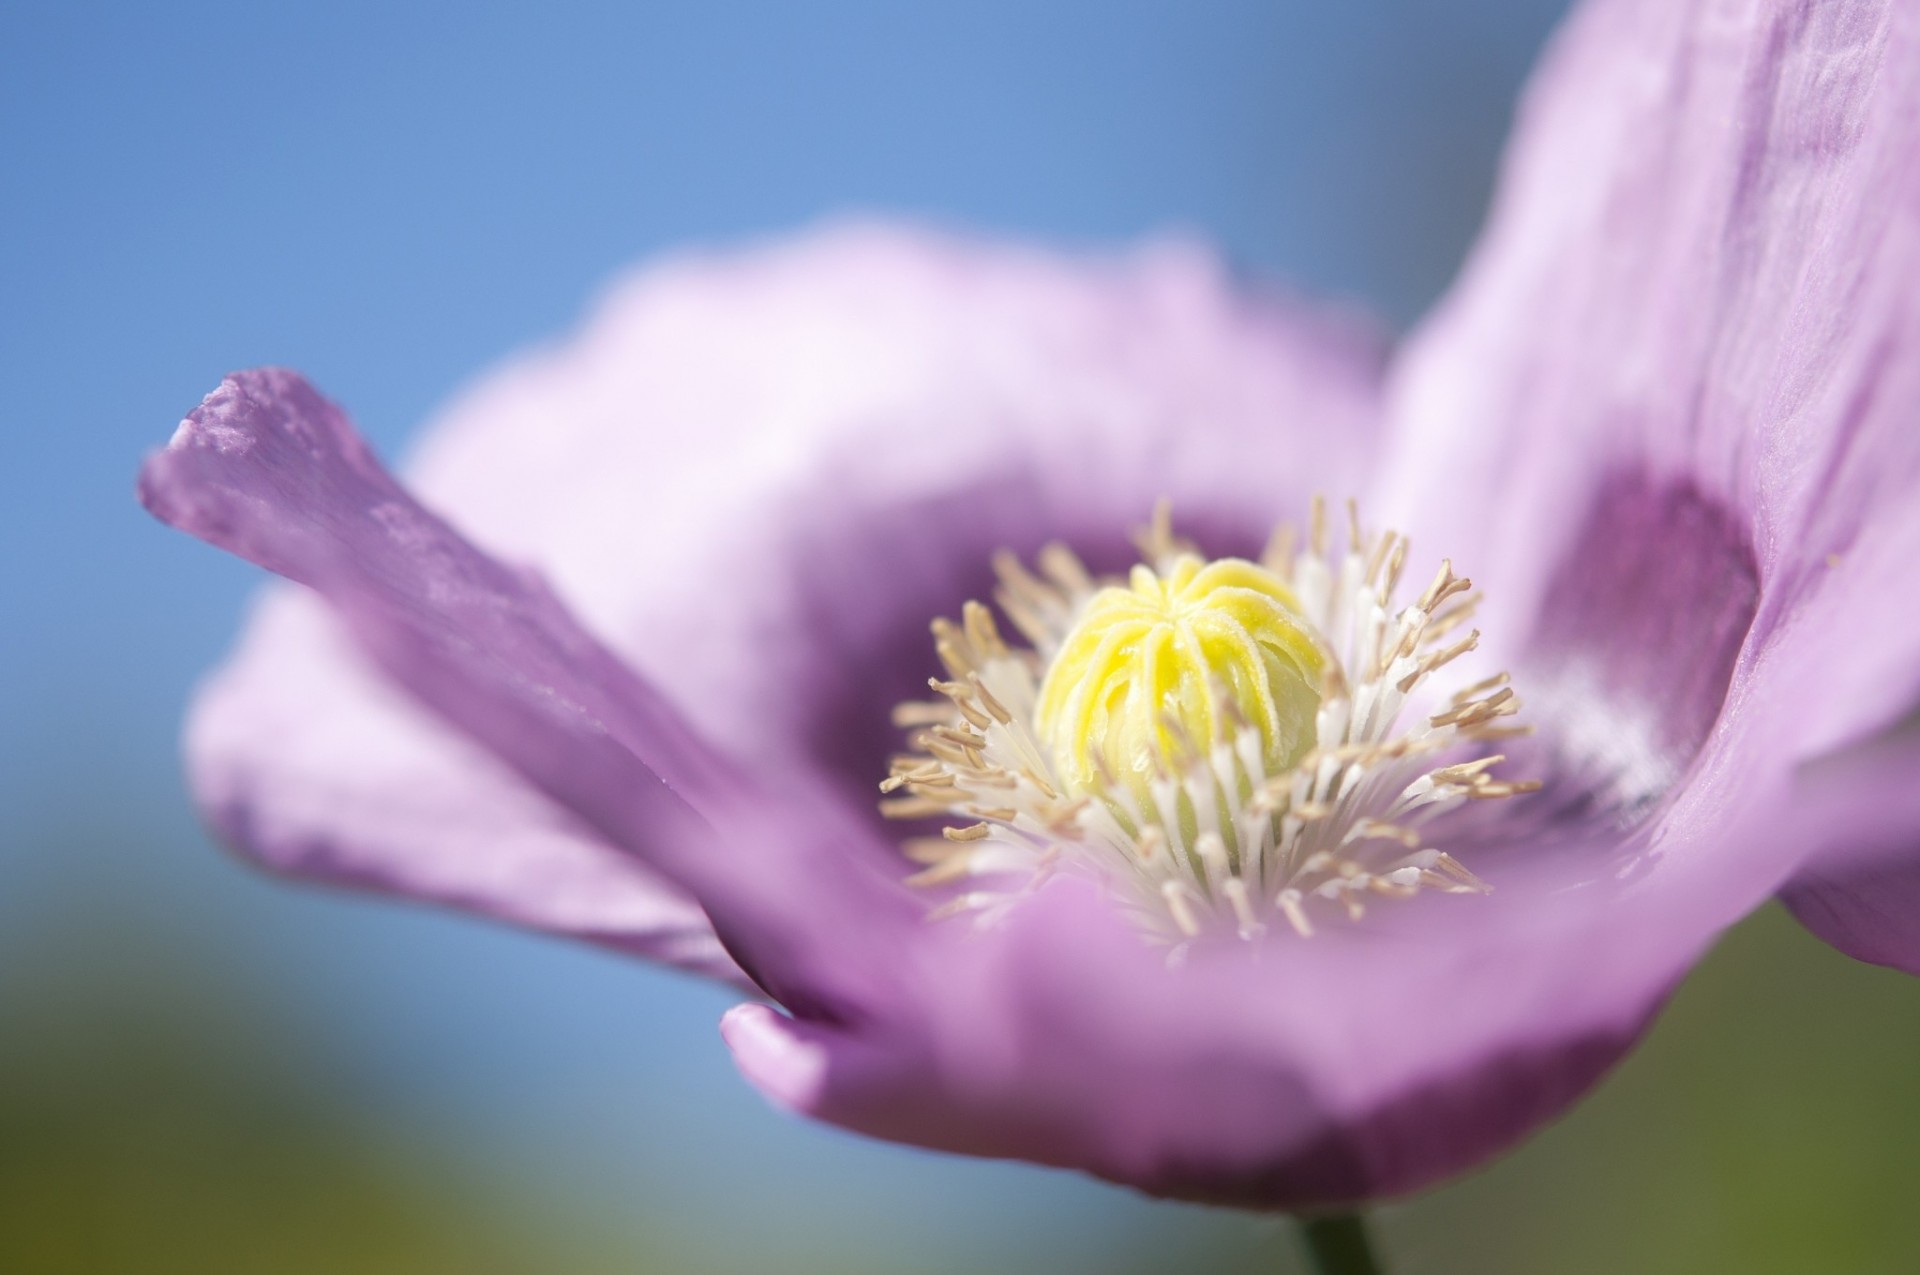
{"x":268,"y":469}
{"x":1637,"y":642}
{"x":1365,"y":1062}
{"x":760,"y":474}
{"x":1666,"y":422}
{"x":1285,"y":1085}
{"x":303,"y":757}
{"x":1863,"y":894}
{"x":667,"y":470}
{"x":1698,"y":286}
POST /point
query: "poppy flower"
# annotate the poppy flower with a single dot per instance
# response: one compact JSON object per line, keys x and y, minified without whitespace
{"x":1218,"y":912}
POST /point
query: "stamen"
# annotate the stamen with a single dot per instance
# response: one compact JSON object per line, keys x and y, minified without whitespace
{"x":1225,"y":742}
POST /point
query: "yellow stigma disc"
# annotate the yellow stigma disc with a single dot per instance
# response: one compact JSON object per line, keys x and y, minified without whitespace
{"x":1193,"y":653}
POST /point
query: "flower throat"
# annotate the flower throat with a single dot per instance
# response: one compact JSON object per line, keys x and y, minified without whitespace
{"x":1224,"y":742}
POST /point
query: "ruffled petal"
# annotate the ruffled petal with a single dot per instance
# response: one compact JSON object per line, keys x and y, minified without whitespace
{"x":669,"y":468}
{"x":1667,"y":424}
{"x":761,"y":473}
{"x":269,"y":470}
{"x":1699,"y":282}
{"x":1366,"y":1062}
{"x":836,"y":470}
{"x":303,"y":757}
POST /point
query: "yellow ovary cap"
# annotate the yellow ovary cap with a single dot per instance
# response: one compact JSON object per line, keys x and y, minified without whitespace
{"x":1196,"y":653}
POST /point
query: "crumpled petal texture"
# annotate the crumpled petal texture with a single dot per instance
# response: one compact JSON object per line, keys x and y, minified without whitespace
{"x":759,"y":475}
{"x":268,"y":469}
{"x":859,"y":418}
{"x":1666,"y":420}
{"x":1699,"y":279}
{"x":366,"y":789}
{"x":1699,"y":272}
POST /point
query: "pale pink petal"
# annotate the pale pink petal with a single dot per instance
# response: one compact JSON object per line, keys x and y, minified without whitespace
{"x":1698,"y":290}
{"x":759,"y":474}
{"x":1863,"y":894}
{"x":302,"y":756}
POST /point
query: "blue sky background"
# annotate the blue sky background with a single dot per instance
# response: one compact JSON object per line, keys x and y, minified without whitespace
{"x":391,"y":197}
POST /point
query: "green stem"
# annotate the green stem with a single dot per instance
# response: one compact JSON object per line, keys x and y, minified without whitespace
{"x":1337,"y":1244}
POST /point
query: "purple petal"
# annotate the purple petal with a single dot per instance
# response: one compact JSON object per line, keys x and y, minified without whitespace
{"x":304,"y":757}
{"x":268,"y":469}
{"x":1366,"y":1062}
{"x":1677,"y":379}
{"x":1696,"y":295}
{"x":761,"y":474}
{"x":1635,"y":646}
{"x":667,"y":469}
{"x":1863,"y":894}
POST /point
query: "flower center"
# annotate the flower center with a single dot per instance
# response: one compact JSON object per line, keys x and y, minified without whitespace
{"x":1223,"y":742}
{"x":1155,"y":669}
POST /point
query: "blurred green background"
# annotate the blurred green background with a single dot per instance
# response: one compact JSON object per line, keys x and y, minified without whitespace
{"x":203,"y":1071}
{"x":162,"y":1113}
